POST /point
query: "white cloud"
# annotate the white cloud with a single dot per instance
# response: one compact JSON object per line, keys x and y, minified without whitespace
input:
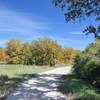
{"x":76,"y":33}
{"x":3,"y":42}
{"x":69,"y":40}
{"x":71,"y":43}
{"x":11,"y":21}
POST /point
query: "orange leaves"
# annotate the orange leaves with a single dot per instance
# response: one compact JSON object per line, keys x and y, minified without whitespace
{"x":3,"y":55}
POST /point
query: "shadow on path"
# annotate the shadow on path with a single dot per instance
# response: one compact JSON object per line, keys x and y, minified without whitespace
{"x":41,"y":87}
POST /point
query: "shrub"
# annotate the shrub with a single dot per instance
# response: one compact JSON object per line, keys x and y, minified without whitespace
{"x":87,"y":66}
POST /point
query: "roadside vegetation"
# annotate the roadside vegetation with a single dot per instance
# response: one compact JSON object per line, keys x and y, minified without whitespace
{"x":84,"y":82}
{"x":78,"y":89}
{"x":87,"y":65}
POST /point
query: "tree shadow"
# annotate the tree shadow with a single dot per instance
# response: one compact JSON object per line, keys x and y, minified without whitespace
{"x":7,"y":85}
{"x":40,"y":87}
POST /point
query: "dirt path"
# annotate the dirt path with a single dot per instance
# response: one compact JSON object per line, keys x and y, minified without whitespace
{"x":42,"y":87}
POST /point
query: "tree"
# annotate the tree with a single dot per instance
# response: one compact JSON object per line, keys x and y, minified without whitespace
{"x":69,"y":54}
{"x":45,"y":51}
{"x":81,"y":9}
{"x":14,"y":52}
{"x":87,"y":66}
{"x":3,"y":55}
{"x":26,"y":53}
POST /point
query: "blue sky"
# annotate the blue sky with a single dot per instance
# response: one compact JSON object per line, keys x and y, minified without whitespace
{"x":27,"y":20}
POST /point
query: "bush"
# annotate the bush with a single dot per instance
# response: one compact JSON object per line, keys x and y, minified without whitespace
{"x":87,"y":65}
{"x":78,"y":89}
{"x":93,"y":71}
{"x":79,"y":65}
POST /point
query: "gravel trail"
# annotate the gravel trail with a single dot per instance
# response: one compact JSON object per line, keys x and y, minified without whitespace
{"x":42,"y":87}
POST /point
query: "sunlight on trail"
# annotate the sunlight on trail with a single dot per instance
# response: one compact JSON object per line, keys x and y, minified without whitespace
{"x":42,"y":87}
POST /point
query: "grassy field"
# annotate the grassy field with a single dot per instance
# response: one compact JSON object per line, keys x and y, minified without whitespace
{"x":78,"y":89}
{"x":11,"y":75}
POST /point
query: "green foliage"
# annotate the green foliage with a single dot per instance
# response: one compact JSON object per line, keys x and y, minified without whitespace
{"x":26,"y":54}
{"x":81,"y":9}
{"x":87,"y":66}
{"x":94,"y":30}
{"x":78,"y":88}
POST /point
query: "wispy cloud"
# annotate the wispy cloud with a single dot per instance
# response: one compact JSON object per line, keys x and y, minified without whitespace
{"x":3,"y":42}
{"x":77,"y":33}
{"x":11,"y":21}
{"x":72,"y":42}
{"x":69,"y":40}
{"x":24,"y":26}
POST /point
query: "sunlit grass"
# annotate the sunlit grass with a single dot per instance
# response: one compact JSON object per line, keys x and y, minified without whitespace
{"x":14,"y":70}
{"x":11,"y":75}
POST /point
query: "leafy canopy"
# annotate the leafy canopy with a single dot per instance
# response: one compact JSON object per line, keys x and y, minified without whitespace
{"x":81,"y":9}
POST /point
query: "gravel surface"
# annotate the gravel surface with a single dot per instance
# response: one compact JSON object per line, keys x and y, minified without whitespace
{"x":42,"y":87}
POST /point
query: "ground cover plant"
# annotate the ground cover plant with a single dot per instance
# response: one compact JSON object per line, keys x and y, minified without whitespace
{"x":78,"y":89}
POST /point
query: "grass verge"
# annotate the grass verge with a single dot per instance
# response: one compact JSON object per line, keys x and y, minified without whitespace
{"x":78,"y":88}
{"x":12,"y":75}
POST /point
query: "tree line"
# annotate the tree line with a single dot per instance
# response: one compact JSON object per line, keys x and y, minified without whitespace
{"x":43,"y":51}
